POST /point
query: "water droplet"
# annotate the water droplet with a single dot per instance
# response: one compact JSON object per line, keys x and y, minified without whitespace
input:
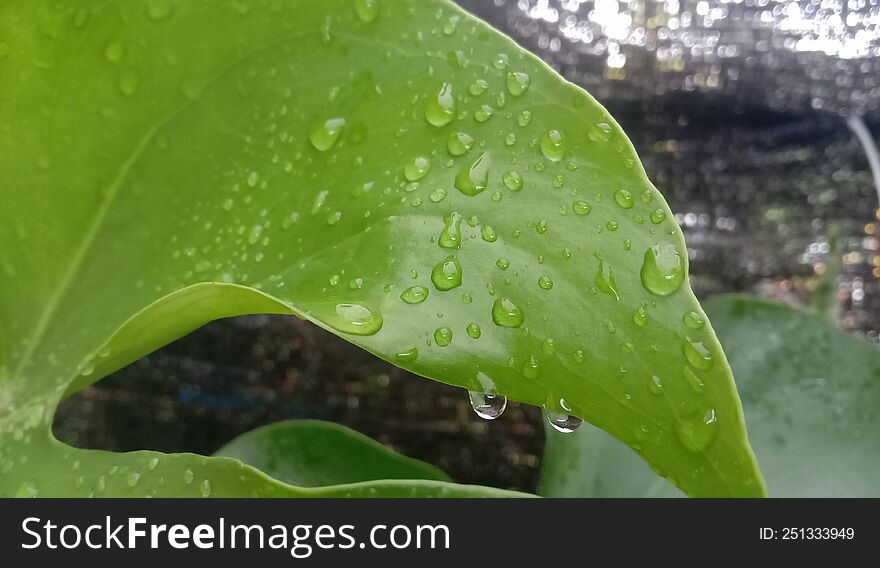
{"x":473,"y":178}
{"x":524,"y":118}
{"x":506,"y":314}
{"x":450,"y":25}
{"x":697,"y":430}
{"x":518,"y":83}
{"x":323,"y":133}
{"x":548,"y":346}
{"x":437,"y":195}
{"x":440,"y":108}
{"x":658,"y":216}
{"x":487,"y":406}
{"x":697,"y":354}
{"x":205,"y":488}
{"x":600,"y":132}
{"x":483,"y":113}
{"x":443,"y":336}
{"x":128,"y":82}
{"x":459,"y":143}
{"x":693,"y":320}
{"x":605,"y":280}
{"x":408,"y":356}
{"x":114,"y":51}
{"x":562,"y":421}
{"x":640,"y":316}
{"x":450,"y":236}
{"x":227,"y":204}
{"x":414,"y":295}
{"x":488,"y":234}
{"x":581,"y":207}
{"x":512,"y":180}
{"x":355,"y":319}
{"x":367,"y":10}
{"x":578,"y":356}
{"x":473,"y":330}
{"x":132,"y":479}
{"x":545,"y":282}
{"x":694,"y":381}
{"x":417,"y":168}
{"x":188,"y":476}
{"x":478,"y":87}
{"x":158,"y":9}
{"x":624,"y":198}
{"x":655,"y":385}
{"x":662,"y":270}
{"x":553,"y":145}
{"x":446,"y":274}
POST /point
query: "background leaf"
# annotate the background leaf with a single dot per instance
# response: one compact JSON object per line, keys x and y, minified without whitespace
{"x":313,"y":453}
{"x":811,"y":395}
{"x":404,"y":176}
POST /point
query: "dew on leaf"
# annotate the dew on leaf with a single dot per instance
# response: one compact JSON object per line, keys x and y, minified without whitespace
{"x":443,"y":336}
{"x":447,"y":274}
{"x":366,"y":10}
{"x":512,"y":180}
{"x":414,"y":295}
{"x":505,"y":313}
{"x":450,"y":236}
{"x":473,"y":330}
{"x":624,"y":198}
{"x":324,"y":132}
{"x":473,"y":177}
{"x":440,"y":108}
{"x":355,"y":319}
{"x":662,"y":270}
{"x":417,"y":168}
{"x":459,"y":143}
{"x":697,"y":354}
{"x":696,"y":431}
{"x":518,"y":83}
{"x":553,"y":145}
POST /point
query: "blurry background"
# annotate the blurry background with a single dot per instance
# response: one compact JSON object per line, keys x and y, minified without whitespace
{"x":739,"y":110}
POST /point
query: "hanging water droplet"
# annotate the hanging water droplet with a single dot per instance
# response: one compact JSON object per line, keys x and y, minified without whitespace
{"x":512,"y":180}
{"x":355,"y":319}
{"x":367,"y":10}
{"x":697,"y":354}
{"x":518,"y":83}
{"x":443,"y":336}
{"x":446,"y":274}
{"x":473,"y":178}
{"x":553,"y":145}
{"x":323,"y":133}
{"x":450,"y":236}
{"x":417,"y":168}
{"x":414,"y":295}
{"x":459,"y":143}
{"x":662,"y":270}
{"x":696,"y":431}
{"x":624,"y":198}
{"x":507,"y":314}
{"x":562,"y":421}
{"x":487,"y":406}
{"x":440,"y":108}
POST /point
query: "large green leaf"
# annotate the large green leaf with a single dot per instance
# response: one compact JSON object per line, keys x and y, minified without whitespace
{"x":812,"y":400}
{"x":312,"y":453}
{"x":394,"y":171}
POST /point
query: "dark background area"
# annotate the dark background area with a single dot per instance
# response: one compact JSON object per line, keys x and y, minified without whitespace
{"x":739,"y":112}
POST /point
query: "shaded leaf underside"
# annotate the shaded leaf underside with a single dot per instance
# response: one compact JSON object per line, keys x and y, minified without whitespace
{"x":158,"y":172}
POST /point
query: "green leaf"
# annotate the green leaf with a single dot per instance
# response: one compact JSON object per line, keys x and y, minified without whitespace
{"x":408,"y":178}
{"x":312,"y":453}
{"x":811,"y":395}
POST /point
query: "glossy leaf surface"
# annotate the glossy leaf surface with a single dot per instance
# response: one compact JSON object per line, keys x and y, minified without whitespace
{"x":394,"y":171}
